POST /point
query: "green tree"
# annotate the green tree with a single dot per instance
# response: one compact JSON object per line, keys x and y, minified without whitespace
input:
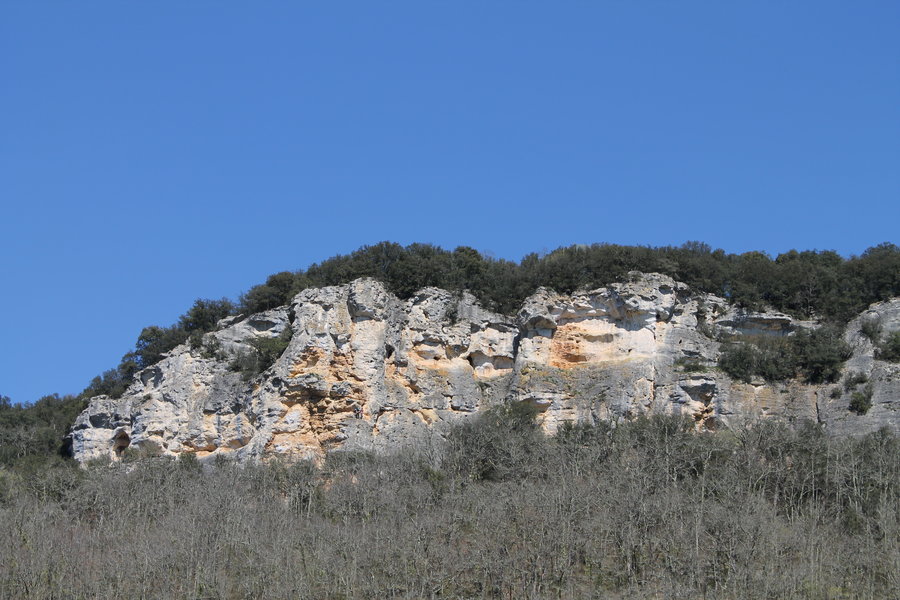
{"x":154,"y":342}
{"x":276,"y":291}
{"x":889,"y":349}
{"x":36,"y":432}
{"x":820,"y":353}
{"x":817,"y":284}
{"x":204,"y":314}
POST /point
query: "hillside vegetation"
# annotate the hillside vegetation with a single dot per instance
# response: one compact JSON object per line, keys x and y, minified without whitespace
{"x":648,"y":509}
{"x":808,"y":284}
{"x":32,"y":436}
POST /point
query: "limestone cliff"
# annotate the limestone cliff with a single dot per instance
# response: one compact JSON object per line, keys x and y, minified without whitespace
{"x":364,"y":369}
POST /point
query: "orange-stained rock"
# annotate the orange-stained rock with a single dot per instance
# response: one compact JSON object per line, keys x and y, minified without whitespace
{"x":366,"y":370}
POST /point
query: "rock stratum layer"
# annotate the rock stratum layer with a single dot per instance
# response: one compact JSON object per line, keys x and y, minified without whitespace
{"x":366,"y":370}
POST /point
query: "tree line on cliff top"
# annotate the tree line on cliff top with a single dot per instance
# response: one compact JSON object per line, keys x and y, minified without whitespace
{"x":808,"y":284}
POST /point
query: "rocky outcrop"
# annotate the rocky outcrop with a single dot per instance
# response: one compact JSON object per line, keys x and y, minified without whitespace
{"x":366,"y":370}
{"x":863,"y":373}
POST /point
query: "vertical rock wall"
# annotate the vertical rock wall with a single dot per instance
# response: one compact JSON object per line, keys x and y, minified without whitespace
{"x":366,"y":370}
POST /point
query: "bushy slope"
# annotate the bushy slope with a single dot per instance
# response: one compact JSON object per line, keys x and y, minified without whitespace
{"x":648,"y":509}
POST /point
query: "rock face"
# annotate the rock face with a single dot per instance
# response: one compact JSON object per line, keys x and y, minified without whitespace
{"x":365,"y":370}
{"x":878,"y":377}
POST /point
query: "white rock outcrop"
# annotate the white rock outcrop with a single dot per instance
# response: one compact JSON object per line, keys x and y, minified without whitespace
{"x":366,"y":370}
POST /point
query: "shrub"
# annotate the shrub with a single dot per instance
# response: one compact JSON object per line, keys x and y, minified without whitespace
{"x":771,"y":359}
{"x":212,"y":348}
{"x":195,"y":340}
{"x":204,"y":314}
{"x":155,"y":341}
{"x":276,"y":291}
{"x":112,"y":383}
{"x":264,"y":354}
{"x":499,"y":444}
{"x":269,"y":349}
{"x":35,"y":433}
{"x":642,"y":509}
{"x":854,"y":379}
{"x":690,"y":365}
{"x":820,"y":353}
{"x":861,"y":402}
{"x":871,"y":328}
{"x":246,"y":362}
{"x":739,"y":361}
{"x":816,"y":355}
{"x":889,"y":349}
{"x":209,"y":347}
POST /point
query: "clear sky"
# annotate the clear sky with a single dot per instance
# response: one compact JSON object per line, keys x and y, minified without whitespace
{"x":152,"y":153}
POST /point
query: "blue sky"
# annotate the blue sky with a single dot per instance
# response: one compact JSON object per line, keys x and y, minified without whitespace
{"x":154,"y":153}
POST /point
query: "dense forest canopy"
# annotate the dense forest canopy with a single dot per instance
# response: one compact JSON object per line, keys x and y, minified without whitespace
{"x":808,"y":284}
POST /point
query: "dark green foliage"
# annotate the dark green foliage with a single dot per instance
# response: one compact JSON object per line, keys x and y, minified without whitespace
{"x":854,"y":379}
{"x":807,"y":284}
{"x":33,"y":434}
{"x":820,"y":353}
{"x":861,"y":401}
{"x":889,"y":349}
{"x":264,"y":354}
{"x":195,"y":339}
{"x":871,"y":328}
{"x":212,"y":348}
{"x":151,"y":345}
{"x":816,"y":355}
{"x":204,"y":315}
{"x":875,"y":275}
{"x":208,"y":347}
{"x":269,"y":349}
{"x":155,"y":341}
{"x":822,"y":356}
{"x":772,"y":359}
{"x":803,"y":280}
{"x":112,"y":382}
{"x":752,"y":283}
{"x":740,"y":361}
{"x":276,"y":291}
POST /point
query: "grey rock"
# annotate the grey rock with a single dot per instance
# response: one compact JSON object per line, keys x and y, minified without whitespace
{"x":365,"y":370}
{"x":882,"y":378}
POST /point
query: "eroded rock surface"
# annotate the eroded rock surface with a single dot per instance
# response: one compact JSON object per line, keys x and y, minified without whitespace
{"x":882,"y":378}
{"x":366,"y":370}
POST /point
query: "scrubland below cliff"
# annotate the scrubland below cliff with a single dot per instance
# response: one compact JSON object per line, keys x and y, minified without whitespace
{"x":715,"y":426}
{"x":647,"y":509}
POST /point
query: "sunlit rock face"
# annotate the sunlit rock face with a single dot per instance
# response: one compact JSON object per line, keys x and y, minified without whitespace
{"x":366,"y":370}
{"x":882,"y":377}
